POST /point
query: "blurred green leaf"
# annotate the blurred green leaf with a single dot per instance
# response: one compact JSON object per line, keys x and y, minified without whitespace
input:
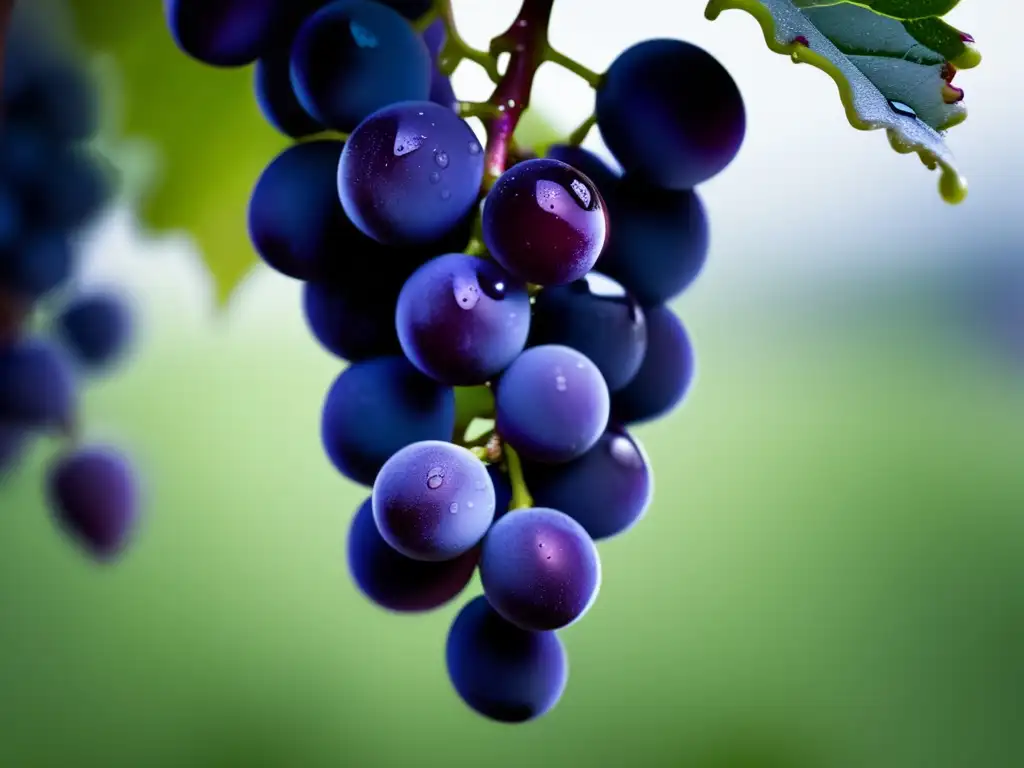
{"x":208,"y":138}
{"x":893,"y":60}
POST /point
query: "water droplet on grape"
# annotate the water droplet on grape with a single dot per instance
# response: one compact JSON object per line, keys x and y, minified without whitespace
{"x":445,"y":194}
{"x":453,"y":507}
{"x":434,"y":177}
{"x":441,"y":158}
{"x":474,"y":148}
{"x":434,"y":478}
{"x":469,"y":505}
{"x":466,"y":291}
{"x":560,"y":383}
{"x":580,"y":365}
{"x":625,"y":453}
{"x":494,"y":288}
{"x":407,"y":142}
{"x":362,"y":36}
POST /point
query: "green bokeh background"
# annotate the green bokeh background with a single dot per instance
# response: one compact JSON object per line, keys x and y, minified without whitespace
{"x":830,"y":574}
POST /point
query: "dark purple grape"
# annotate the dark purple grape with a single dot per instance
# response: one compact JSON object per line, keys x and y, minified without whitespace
{"x":95,"y":497}
{"x":587,"y":163}
{"x":551,"y":404}
{"x":95,"y":329}
{"x":462,"y":320}
{"x":410,"y":173}
{"x":664,"y":376}
{"x":222,"y":33}
{"x":354,"y":325}
{"x":433,"y":501}
{"x":502,"y":490}
{"x":539,"y":569}
{"x":37,"y":389}
{"x":353,"y":58}
{"x":13,"y":441}
{"x":42,"y":263}
{"x":593,"y":315}
{"x":501,"y":671}
{"x":659,"y":240}
{"x":378,"y":406}
{"x":296,"y":222}
{"x":606,"y":490}
{"x":395,"y":582}
{"x":545,"y":222}
{"x":435,"y":36}
{"x":670,"y":112}
{"x":276,"y":97}
{"x":71,"y":189}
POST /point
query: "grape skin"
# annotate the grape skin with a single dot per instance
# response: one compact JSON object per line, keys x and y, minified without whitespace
{"x":410,"y":173}
{"x":376,"y":407}
{"x":671,"y":113}
{"x":665,"y":375}
{"x":461,"y":319}
{"x":545,"y":222}
{"x":351,"y":59}
{"x":539,"y":568}
{"x":95,"y":329}
{"x":501,"y":671}
{"x":221,"y":33}
{"x":272,"y":83}
{"x":596,"y":316}
{"x":41,"y":264}
{"x":94,"y":494}
{"x":352,"y":325}
{"x":552,"y":404}
{"x":37,"y":389}
{"x":433,"y":501}
{"x":659,"y":240}
{"x":395,"y":582}
{"x":606,"y":490}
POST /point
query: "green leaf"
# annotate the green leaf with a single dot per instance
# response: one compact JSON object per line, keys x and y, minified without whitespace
{"x":893,"y":61}
{"x":205,"y":141}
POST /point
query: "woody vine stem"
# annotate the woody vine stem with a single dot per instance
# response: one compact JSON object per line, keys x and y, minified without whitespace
{"x":527,"y":46}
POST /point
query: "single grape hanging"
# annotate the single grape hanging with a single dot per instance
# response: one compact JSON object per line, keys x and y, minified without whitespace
{"x":503,"y":316}
{"x":51,"y":185}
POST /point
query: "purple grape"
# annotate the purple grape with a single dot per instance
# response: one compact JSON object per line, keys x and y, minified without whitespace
{"x":501,"y":671}
{"x":433,"y":501}
{"x":395,"y":582}
{"x":95,"y":329}
{"x":350,"y":59}
{"x":596,"y":316}
{"x":502,"y":490}
{"x":462,"y":320}
{"x":539,"y":568}
{"x":272,"y":81}
{"x":354,"y":325}
{"x":665,"y":374}
{"x":545,"y":222}
{"x":42,"y":263}
{"x":587,"y":163}
{"x":551,"y":404}
{"x":222,"y":33}
{"x":441,"y":91}
{"x":606,"y":490}
{"x":410,"y":173}
{"x":37,"y":389}
{"x":377,"y":407}
{"x":670,"y":112}
{"x":94,"y":494}
{"x":659,"y":240}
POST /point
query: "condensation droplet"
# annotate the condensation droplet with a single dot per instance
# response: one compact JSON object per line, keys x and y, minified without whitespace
{"x":453,"y":507}
{"x":441,"y":158}
{"x":560,"y":383}
{"x":466,"y":292}
{"x":625,"y":453}
{"x":407,"y":142}
{"x":363,"y":37}
{"x":445,"y":194}
{"x":582,"y":192}
{"x":434,"y":177}
{"x":434,"y":478}
{"x":474,"y":148}
{"x":580,"y":365}
{"x":469,"y":505}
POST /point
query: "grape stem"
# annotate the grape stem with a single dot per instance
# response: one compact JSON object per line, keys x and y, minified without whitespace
{"x":589,"y":76}
{"x":577,"y":136}
{"x":521,"y":498}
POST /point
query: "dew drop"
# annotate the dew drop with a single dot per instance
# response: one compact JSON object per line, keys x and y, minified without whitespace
{"x":466,"y":291}
{"x":902,"y":109}
{"x":407,"y":142}
{"x":495,"y":289}
{"x":363,"y":37}
{"x":560,"y":383}
{"x":434,"y":177}
{"x":441,"y":158}
{"x":445,"y":194}
{"x":469,"y":505}
{"x":453,"y":507}
{"x":434,"y":478}
{"x":474,"y":148}
{"x":582,"y":192}
{"x":625,"y":453}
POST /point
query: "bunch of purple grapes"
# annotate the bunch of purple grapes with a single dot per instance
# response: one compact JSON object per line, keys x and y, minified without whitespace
{"x":498,"y":353}
{"x":51,"y":185}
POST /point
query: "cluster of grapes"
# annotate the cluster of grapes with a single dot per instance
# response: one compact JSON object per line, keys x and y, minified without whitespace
{"x":493,"y":373}
{"x":50,"y":186}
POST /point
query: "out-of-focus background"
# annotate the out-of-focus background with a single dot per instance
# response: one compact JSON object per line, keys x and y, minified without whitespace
{"x":832,"y":573}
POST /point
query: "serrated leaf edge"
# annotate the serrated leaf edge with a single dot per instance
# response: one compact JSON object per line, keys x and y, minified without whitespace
{"x":952,"y":186}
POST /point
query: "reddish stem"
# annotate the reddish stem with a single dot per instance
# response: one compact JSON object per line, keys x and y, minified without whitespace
{"x":526,"y":42}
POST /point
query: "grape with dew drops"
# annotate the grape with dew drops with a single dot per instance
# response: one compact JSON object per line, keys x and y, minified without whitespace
{"x":503,"y":672}
{"x":398,"y":583}
{"x":353,"y":58}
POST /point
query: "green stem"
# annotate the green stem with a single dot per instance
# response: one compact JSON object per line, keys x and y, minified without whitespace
{"x":471,"y":403}
{"x":521,"y":498}
{"x":456,"y":49}
{"x":589,"y":76}
{"x":576,"y":137}
{"x":424,"y":21}
{"x":477,"y":109}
